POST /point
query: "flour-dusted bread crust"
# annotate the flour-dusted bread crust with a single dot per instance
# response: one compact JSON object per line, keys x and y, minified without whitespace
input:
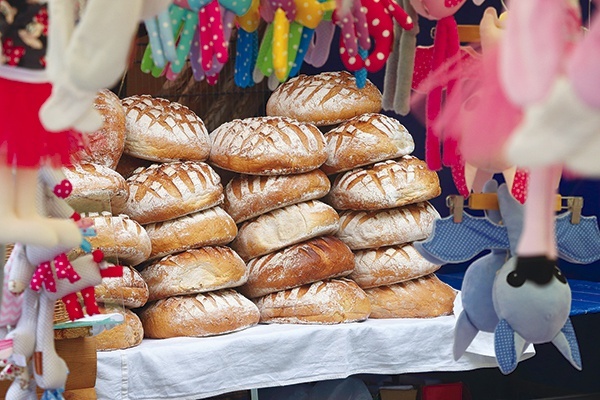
{"x":425,"y":297}
{"x":121,"y":239}
{"x":171,"y":190}
{"x":211,"y":227}
{"x":284,"y":227}
{"x":161,"y":130}
{"x":106,"y":145}
{"x":130,"y":290}
{"x":391,"y":183}
{"x":123,"y":336}
{"x":365,"y":139}
{"x":195,"y":271}
{"x":204,"y":314}
{"x":324,"y":302}
{"x":373,"y":229}
{"x":96,"y":188}
{"x":248,"y":196}
{"x":324,"y":99}
{"x":267,"y":146}
{"x":389,"y":265}
{"x":314,"y":260}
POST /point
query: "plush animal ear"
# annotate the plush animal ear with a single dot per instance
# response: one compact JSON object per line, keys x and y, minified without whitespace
{"x":566,"y":342}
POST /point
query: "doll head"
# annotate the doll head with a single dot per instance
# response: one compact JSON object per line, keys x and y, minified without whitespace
{"x":436,"y":9}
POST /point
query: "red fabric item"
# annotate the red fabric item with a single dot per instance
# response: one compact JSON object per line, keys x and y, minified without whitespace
{"x":89,"y":299}
{"x":98,"y":255}
{"x":443,"y":391}
{"x":43,"y":276}
{"x":64,"y":269}
{"x":72,"y":306}
{"x":115,"y":271}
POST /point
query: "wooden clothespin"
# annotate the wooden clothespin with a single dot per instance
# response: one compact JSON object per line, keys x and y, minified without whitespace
{"x":468,"y":34}
{"x":575,"y":205}
{"x":456,"y":204}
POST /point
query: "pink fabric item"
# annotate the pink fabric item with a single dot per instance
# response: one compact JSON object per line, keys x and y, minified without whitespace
{"x":582,"y":69}
{"x":43,"y":276}
{"x":64,"y":269}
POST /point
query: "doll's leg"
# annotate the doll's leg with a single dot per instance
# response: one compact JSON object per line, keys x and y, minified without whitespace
{"x":22,"y":389}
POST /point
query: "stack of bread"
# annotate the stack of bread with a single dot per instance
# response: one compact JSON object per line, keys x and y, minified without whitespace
{"x":286,"y":235}
{"x":380,"y":190}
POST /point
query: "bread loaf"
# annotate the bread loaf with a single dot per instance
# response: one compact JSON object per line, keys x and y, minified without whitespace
{"x":389,"y":265}
{"x":123,"y":241}
{"x":128,"y":165}
{"x":161,"y":130}
{"x":283,"y":227}
{"x":372,"y":229}
{"x":172,"y":190}
{"x":425,"y":297}
{"x":324,"y":302}
{"x":324,"y":99}
{"x":314,"y":260}
{"x":388,"y":184}
{"x":247,"y":196}
{"x":130,"y":290}
{"x":204,"y":314}
{"x":96,"y":188}
{"x":195,"y":271}
{"x":363,"y":140}
{"x":123,"y":336}
{"x":105,"y":146}
{"x":205,"y":228}
{"x":267,"y":146}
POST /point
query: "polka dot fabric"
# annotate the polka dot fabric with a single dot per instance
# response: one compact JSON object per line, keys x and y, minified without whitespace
{"x":504,"y":345}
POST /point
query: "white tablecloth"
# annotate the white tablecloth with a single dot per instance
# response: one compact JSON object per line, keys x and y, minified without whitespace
{"x":275,"y":355}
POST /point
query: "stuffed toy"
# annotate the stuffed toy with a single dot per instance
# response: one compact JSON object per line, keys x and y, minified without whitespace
{"x":319,"y":48}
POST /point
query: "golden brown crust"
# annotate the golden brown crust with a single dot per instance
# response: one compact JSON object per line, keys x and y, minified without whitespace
{"x":130,"y":290}
{"x":123,"y":336}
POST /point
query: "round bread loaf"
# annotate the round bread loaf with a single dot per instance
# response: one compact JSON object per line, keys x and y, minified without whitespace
{"x":314,"y":260}
{"x":324,"y":302}
{"x":424,"y":297}
{"x":123,"y":336}
{"x":283,"y":227}
{"x":121,"y":239}
{"x":373,"y":229}
{"x":389,"y":265}
{"x":324,"y":99}
{"x":388,"y":184}
{"x":161,"y":130}
{"x":204,"y":314}
{"x":195,"y":271}
{"x":96,"y":188}
{"x":171,"y":190}
{"x":211,"y":227}
{"x":130,"y":290}
{"x":364,"y":140}
{"x":105,"y":146}
{"x":247,"y":196}
{"x":267,"y":146}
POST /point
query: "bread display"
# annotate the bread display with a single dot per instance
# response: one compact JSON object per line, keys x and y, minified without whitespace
{"x":123,"y":336}
{"x":161,"y":130}
{"x":96,"y":188}
{"x":247,"y":196}
{"x":324,"y":99}
{"x":389,"y":265}
{"x":425,"y":297}
{"x":128,"y":164}
{"x":325,"y":302}
{"x":106,"y":145}
{"x":130,"y":290}
{"x":166,"y":191}
{"x":195,"y":271}
{"x":363,"y":140}
{"x":372,"y":229}
{"x":391,"y":183}
{"x":267,"y":146}
{"x":205,"y":228}
{"x":283,"y":227}
{"x":204,"y":314}
{"x":314,"y":260}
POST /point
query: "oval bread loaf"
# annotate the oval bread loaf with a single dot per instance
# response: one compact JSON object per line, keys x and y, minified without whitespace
{"x":123,"y":336}
{"x":204,"y":314}
{"x":130,"y":290}
{"x":161,"y":130}
{"x":247,"y":196}
{"x":324,"y":99}
{"x":171,"y":190}
{"x":364,"y":140}
{"x":425,"y":297}
{"x":283,"y":227}
{"x":372,"y":229}
{"x":324,"y":302}
{"x":388,"y":184}
{"x":310,"y":261}
{"x":267,"y":146}
{"x":195,"y":271}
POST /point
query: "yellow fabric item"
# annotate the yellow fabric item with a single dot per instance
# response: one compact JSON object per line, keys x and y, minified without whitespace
{"x":250,"y":21}
{"x":281,"y":29}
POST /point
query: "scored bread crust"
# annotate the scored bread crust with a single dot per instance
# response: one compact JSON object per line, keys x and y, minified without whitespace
{"x":128,"y":334}
{"x":324,"y":99}
{"x":130,"y":290}
{"x":267,"y":146}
